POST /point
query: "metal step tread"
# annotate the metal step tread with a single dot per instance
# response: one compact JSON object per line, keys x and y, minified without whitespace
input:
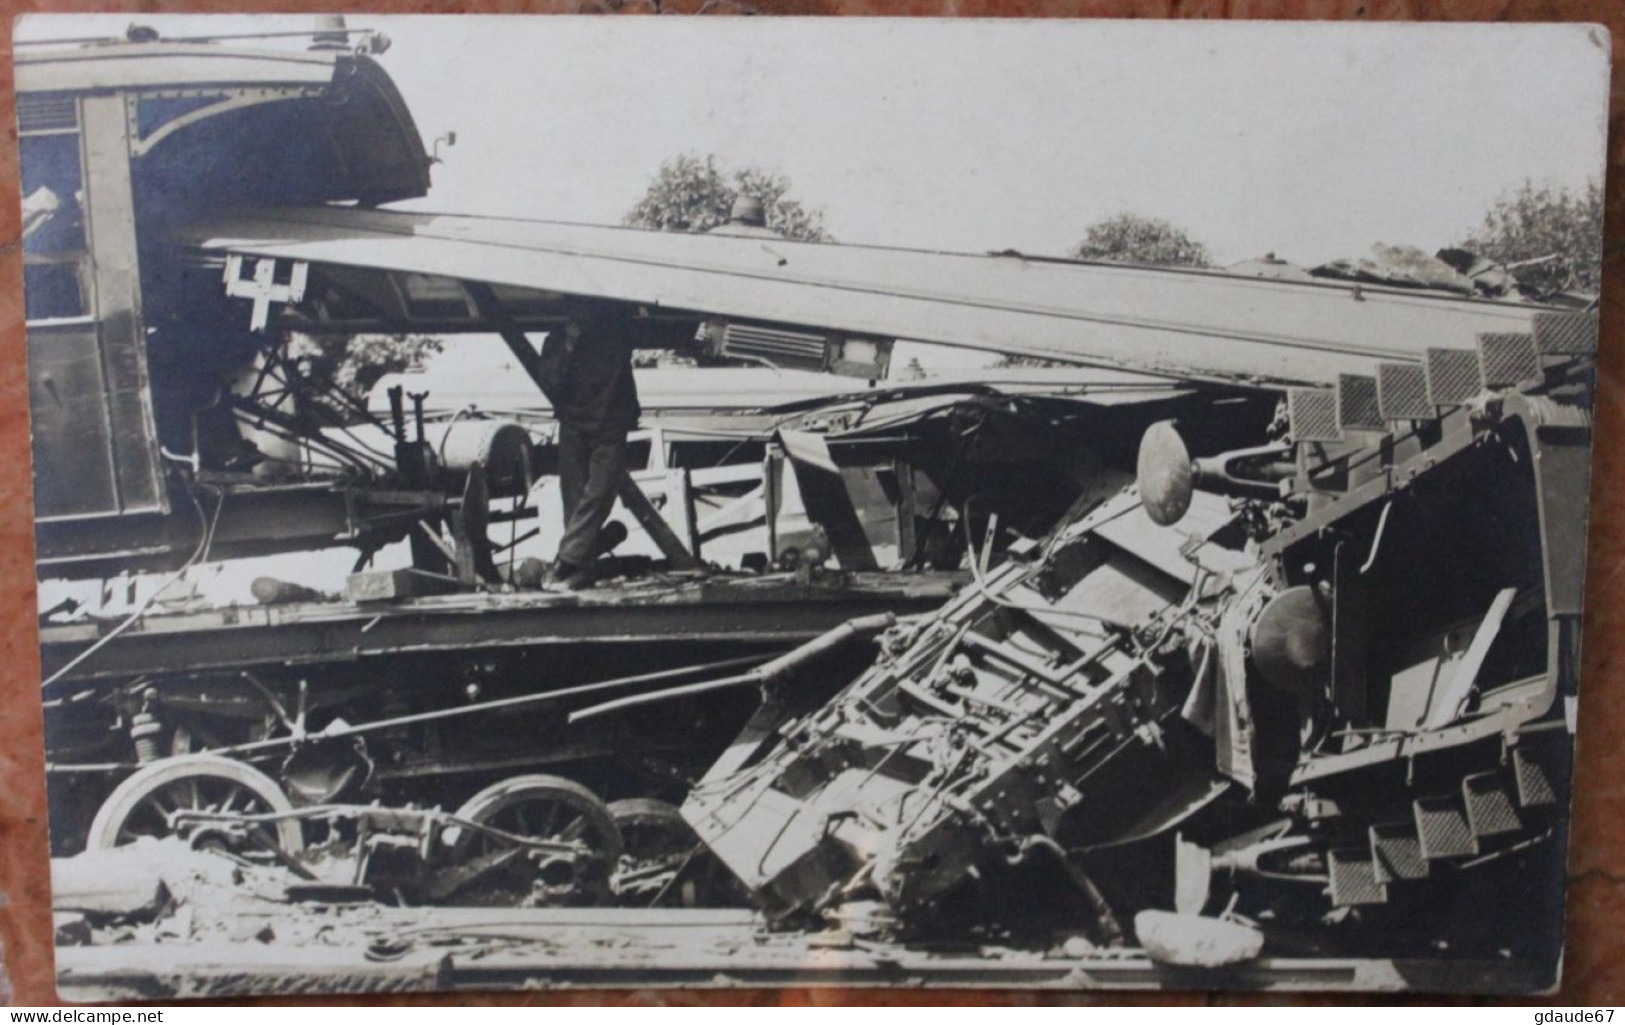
{"x":1353,"y":874}
{"x":1535,"y":788}
{"x":1490,"y":807}
{"x":1442,"y":830}
{"x":1396,"y":852}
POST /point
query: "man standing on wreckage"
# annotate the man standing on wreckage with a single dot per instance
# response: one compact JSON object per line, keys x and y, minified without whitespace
{"x":586,"y":373}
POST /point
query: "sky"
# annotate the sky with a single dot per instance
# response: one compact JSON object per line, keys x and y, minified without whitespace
{"x":1310,"y":141}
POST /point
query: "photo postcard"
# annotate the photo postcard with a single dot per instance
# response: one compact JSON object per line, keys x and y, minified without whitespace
{"x":566,"y":501}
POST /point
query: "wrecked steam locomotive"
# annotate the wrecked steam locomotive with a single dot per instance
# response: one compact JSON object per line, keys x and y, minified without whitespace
{"x":1187,"y":703}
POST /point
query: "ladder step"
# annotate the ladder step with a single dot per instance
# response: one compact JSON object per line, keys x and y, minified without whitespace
{"x":1402,"y":392}
{"x":1534,"y":785}
{"x":1452,"y":376}
{"x":1354,"y":880}
{"x":1357,"y":406}
{"x":1313,"y":412}
{"x":1396,"y":852}
{"x":1506,"y":359}
{"x":1490,"y":810}
{"x":1441,"y":829}
{"x":1562,"y":332}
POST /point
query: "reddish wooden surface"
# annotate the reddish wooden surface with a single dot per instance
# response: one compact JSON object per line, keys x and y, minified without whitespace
{"x":1594,"y":970}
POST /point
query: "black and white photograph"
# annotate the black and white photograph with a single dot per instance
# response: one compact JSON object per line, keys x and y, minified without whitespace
{"x":531,"y":502}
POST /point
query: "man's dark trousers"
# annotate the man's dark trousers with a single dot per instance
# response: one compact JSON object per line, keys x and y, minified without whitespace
{"x":591,"y":465}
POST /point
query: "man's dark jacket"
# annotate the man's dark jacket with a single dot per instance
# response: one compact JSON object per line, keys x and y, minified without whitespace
{"x":589,"y":379}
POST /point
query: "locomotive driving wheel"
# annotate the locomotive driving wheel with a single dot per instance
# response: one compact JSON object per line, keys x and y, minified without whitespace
{"x":666,"y":864}
{"x":543,"y":808}
{"x":151,"y":803}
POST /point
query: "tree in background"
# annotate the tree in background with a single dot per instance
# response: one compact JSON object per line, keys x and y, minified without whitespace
{"x":690,"y":194}
{"x":1555,"y":234}
{"x":1130,"y":238}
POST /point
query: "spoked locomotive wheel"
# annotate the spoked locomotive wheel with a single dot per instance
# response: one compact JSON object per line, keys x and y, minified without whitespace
{"x":146,"y":805}
{"x":665,"y":864}
{"x":548,"y":808}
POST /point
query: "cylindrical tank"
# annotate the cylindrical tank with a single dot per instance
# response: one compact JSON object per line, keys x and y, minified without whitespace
{"x":501,"y":446}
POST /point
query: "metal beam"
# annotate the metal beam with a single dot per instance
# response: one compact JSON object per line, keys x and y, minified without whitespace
{"x":1183,"y":323}
{"x":750,"y":610}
